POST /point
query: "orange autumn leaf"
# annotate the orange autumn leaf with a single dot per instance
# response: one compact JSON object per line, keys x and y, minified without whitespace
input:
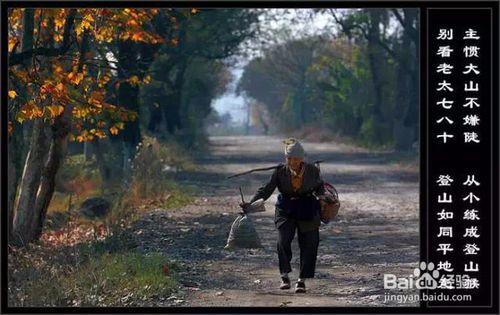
{"x":59,"y":22}
{"x":80,"y":111}
{"x":100,"y":134}
{"x":58,"y":69}
{"x":69,"y":85}
{"x":58,"y":37}
{"x":137,"y":37}
{"x":12,"y":94}
{"x":132,"y":22}
{"x":60,"y":87}
{"x":96,"y":98}
{"x":55,"y":110}
{"x":113,"y":130}
{"x":75,"y":78}
{"x":31,"y":111}
{"x":134,"y":80}
{"x":120,"y":125}
{"x":12,"y":43}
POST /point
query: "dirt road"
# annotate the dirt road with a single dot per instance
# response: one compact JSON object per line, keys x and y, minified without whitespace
{"x":376,"y":231}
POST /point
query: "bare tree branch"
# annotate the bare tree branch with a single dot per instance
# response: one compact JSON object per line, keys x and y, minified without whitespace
{"x":413,"y":31}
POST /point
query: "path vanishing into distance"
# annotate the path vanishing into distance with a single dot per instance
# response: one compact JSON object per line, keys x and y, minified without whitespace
{"x":376,"y":231}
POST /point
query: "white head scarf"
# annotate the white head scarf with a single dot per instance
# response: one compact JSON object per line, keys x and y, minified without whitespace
{"x":293,"y":148}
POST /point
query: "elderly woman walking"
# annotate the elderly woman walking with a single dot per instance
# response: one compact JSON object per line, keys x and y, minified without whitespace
{"x":297,"y":209}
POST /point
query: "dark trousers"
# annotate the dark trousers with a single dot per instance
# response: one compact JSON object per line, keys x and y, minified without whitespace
{"x":308,"y":244}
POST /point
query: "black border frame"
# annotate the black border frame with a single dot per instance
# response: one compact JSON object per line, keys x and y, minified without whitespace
{"x":421,"y":5}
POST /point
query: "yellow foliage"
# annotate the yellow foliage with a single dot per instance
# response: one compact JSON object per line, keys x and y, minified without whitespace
{"x":58,"y":69}
{"x":98,"y":133}
{"x":75,"y":78}
{"x":137,"y":37}
{"x":59,"y":22}
{"x":12,"y":94}
{"x":12,"y":42}
{"x":31,"y":111}
{"x":113,"y":130}
{"x":80,"y":111}
{"x":60,"y":87}
{"x":132,"y":22}
{"x":59,"y":82}
{"x":134,"y":80}
{"x":58,"y":37}
{"x":55,"y":110}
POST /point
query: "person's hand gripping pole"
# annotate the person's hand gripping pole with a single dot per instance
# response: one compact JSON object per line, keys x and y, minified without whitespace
{"x":244,"y":205}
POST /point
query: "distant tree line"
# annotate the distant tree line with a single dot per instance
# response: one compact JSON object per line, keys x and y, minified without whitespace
{"x":362,"y":82}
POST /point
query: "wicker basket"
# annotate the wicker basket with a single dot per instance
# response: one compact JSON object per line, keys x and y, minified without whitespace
{"x":330,"y":203}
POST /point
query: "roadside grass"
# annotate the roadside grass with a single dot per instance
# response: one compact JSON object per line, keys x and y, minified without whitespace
{"x":121,"y":279}
{"x":107,"y":272}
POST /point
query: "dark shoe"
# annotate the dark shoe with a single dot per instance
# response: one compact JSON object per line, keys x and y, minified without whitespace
{"x":285,"y":283}
{"x":300,"y":287}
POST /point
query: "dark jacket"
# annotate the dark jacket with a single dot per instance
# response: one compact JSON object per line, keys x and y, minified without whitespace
{"x":301,"y":205}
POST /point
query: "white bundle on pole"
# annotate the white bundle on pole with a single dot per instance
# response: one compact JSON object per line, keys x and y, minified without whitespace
{"x":243,"y":233}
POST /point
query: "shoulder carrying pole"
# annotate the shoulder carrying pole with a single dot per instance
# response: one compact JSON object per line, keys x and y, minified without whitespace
{"x":267,"y":168}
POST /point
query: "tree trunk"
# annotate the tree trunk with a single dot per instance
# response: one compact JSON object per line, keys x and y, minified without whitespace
{"x":173,"y":108}
{"x":377,"y":64}
{"x":55,"y":158}
{"x":155,"y":120}
{"x":412,"y":115}
{"x":405,"y":132}
{"x":87,"y":151}
{"x":26,"y":208}
{"x":22,"y":231}
{"x":128,"y":97}
{"x":28,"y":30}
{"x":175,"y":122}
{"x":374,"y":55}
{"x":15,"y":150}
{"x":101,"y":162}
{"x":11,"y":175}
